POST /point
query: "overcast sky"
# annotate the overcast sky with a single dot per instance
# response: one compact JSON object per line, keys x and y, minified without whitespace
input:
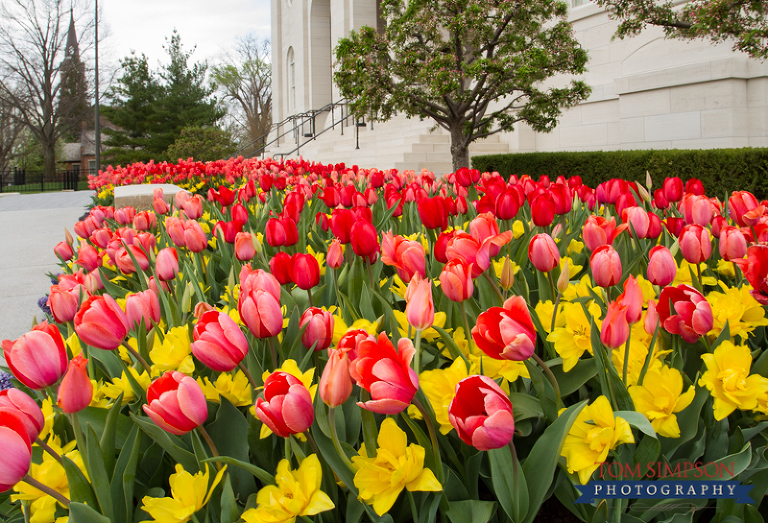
{"x":212,"y":25}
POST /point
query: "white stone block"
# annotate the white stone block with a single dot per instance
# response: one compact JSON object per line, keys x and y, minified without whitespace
{"x":677,"y":126}
{"x":725,"y":123}
{"x":600,"y":112}
{"x":757,"y":92}
{"x":595,"y":135}
{"x":646,"y":103}
{"x":711,"y":95}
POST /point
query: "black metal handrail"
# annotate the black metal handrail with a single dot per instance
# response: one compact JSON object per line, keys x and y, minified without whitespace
{"x":314,"y":136}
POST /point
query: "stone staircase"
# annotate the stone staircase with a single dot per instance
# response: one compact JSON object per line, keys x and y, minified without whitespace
{"x":401,"y":143}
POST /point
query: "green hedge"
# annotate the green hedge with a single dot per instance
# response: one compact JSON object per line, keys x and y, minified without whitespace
{"x":721,"y":170}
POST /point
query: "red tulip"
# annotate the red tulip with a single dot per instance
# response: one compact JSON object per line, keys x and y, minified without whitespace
{"x":17,"y":450}
{"x":740,"y":203}
{"x":385,"y":372}
{"x":755,"y":269}
{"x":351,"y":340}
{"x":76,"y":390}
{"x":342,"y":221}
{"x":286,"y":407}
{"x":124,"y":259}
{"x":239,"y":213}
{"x":660,"y":199}
{"x":176,"y":403}
{"x":420,"y":308}
{"x":28,"y":410}
{"x":481,"y":413}
{"x":38,"y":358}
{"x":336,"y":383}
{"x":673,"y":189}
{"x":167,"y":264}
{"x":543,"y":209}
{"x":674,"y":225}
{"x":506,"y":333}
{"x":695,"y":244}
{"x":562,"y":198}
{"x":228,"y":230}
{"x":101,"y":323}
{"x":654,"y":226}
{"x":305,"y":271}
{"x":683,"y":310}
{"x":280,"y":267}
{"x":142,"y":307}
{"x":319,"y":328}
{"x":365,"y":241}
{"x":694,"y":186}
{"x":88,"y":258}
{"x":441,"y":245}
{"x":456,"y":280}
{"x":433,"y":213}
{"x":508,"y":204}
{"x":543,"y":253}
{"x":615,"y":329}
{"x":218,"y":341}
{"x":605,"y":264}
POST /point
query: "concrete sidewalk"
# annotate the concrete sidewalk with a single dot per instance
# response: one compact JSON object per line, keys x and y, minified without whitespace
{"x":30,"y":226}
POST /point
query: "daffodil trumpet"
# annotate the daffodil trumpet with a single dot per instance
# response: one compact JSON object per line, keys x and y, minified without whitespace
{"x":138,"y":356}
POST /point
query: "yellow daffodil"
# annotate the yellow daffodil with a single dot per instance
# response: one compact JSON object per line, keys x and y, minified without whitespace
{"x":320,"y":257}
{"x":98,"y":400}
{"x":480,"y":363}
{"x":574,"y":338}
{"x":340,"y":328}
{"x":498,"y":267}
{"x":646,"y":287}
{"x":297,"y":493}
{"x":396,"y":466}
{"x":684,"y":274}
{"x":50,"y":473}
{"x":737,"y":307}
{"x":580,"y":290}
{"x":47,"y":407}
{"x":595,"y":432}
{"x":726,"y":268}
{"x":73,"y":342}
{"x":728,"y":380}
{"x":638,"y":350}
{"x":429,"y":335}
{"x":660,"y":397}
{"x":573,"y":269}
{"x":398,"y":285}
{"x":517,"y":229}
{"x":440,"y":387}
{"x":173,"y":353}
{"x":237,"y":389}
{"x":575,"y":247}
{"x":190,"y":494}
{"x":544,"y":310}
{"x":123,"y":385}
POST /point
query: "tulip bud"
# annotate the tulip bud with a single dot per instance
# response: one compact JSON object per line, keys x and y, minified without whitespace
{"x":305,"y":271}
{"x":76,"y":390}
{"x":651,"y":320}
{"x":336,"y":382}
{"x":142,"y":307}
{"x":507,"y":274}
{"x":563,"y":280}
{"x":68,"y":237}
{"x":64,"y":251}
{"x":648,"y":180}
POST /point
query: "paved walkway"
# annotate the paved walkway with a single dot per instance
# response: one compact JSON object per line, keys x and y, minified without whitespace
{"x":30,"y":226}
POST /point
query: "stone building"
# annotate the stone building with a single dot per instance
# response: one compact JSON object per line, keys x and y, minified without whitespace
{"x":648,"y":92}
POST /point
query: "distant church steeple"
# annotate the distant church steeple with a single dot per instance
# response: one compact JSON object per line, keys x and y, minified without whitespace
{"x":73,"y":100}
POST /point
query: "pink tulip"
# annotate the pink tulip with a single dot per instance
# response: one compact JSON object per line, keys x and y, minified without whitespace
{"x":64,"y":251}
{"x":167,"y":264}
{"x":661,"y":266}
{"x":176,"y":403}
{"x":385,"y":372}
{"x":27,"y":408}
{"x":194,"y":237}
{"x":638,"y":218}
{"x":605,"y":265}
{"x":456,"y":280}
{"x":481,"y":413}
{"x":260,"y":311}
{"x":17,"y":450}
{"x":615,"y":329}
{"x":286,"y":407}
{"x":76,"y":390}
{"x":101,"y":323}
{"x":218,"y":341}
{"x":685,"y":311}
{"x":319,"y":328}
{"x":244,"y":248}
{"x":733,"y":244}
{"x":38,"y":358}
{"x":141,"y":307}
{"x":420,"y":308}
{"x":336,"y":382}
{"x":335,"y":254}
{"x":695,"y":244}
{"x":632,"y":298}
{"x":543,"y":253}
{"x":64,"y":304}
{"x":406,"y":256}
{"x":124,"y":259}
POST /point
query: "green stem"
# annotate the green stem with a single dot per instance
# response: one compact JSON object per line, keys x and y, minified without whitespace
{"x":494,"y":286}
{"x":209,"y":441}
{"x":43,"y":445}
{"x":432,"y":437}
{"x":417,"y":359}
{"x":554,"y":313}
{"x":273,"y":351}
{"x":414,"y":512}
{"x":138,"y":357}
{"x":626,"y":357}
{"x":248,"y":375}
{"x":336,"y":442}
{"x":309,"y":295}
{"x":467,"y":334}
{"x":29,"y":480}
{"x":312,"y":442}
{"x":551,"y":283}
{"x":550,"y":376}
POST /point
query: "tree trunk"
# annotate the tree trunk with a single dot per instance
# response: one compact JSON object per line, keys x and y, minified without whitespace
{"x":459,"y":151}
{"x":49,"y":156}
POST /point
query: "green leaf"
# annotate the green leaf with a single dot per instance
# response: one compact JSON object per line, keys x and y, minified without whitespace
{"x":725,"y":334}
{"x":544,"y":390}
{"x":229,"y":433}
{"x":121,"y":486}
{"x":525,"y":406}
{"x":81,"y":513}
{"x":229,"y":512}
{"x":170,"y":443}
{"x":97,"y":472}
{"x":637,"y":420}
{"x":80,"y":489}
{"x":509,"y":483}
{"x":107,"y":441}
{"x":572,"y":380}
{"x":539,"y":467}
{"x":265,"y":477}
{"x":97,"y":418}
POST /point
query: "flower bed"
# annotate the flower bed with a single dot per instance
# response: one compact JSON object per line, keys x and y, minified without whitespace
{"x":299,"y":341}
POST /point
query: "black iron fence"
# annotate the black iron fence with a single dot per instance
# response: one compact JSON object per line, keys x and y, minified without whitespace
{"x":26,"y":181}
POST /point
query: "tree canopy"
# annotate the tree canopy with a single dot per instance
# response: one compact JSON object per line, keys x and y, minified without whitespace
{"x":744,"y":22}
{"x":152,"y":107}
{"x":476,"y":67}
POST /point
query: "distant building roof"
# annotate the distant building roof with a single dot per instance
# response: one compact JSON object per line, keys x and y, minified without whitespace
{"x":70,"y":152}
